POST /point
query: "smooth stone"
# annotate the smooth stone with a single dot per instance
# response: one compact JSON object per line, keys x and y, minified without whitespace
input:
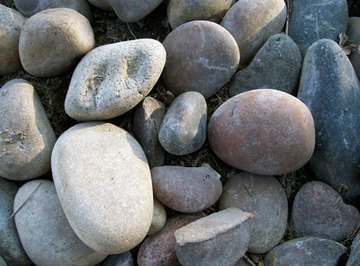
{"x":2,"y":262}
{"x":124,"y":259}
{"x":52,"y":41}
{"x":159,"y":249}
{"x":102,"y":4}
{"x":330,"y":89}
{"x":112,"y":79}
{"x":314,"y":20}
{"x":277,"y":66}
{"x":183,"y":129}
{"x":354,"y":257}
{"x":132,"y":11}
{"x":104,"y":185}
{"x":179,"y":12}
{"x":186,"y":189}
{"x":44,"y":230}
{"x":11,"y":23}
{"x":353,"y":32}
{"x":147,"y":119}
{"x":252,"y":23}
{"x":26,"y":135}
{"x":264,"y":131}
{"x":158,"y":219}
{"x":221,"y":238}
{"x":201,"y":56}
{"x":11,"y":249}
{"x":242,"y":262}
{"x":318,"y":210}
{"x":305,"y":251}
{"x":266,"y":199}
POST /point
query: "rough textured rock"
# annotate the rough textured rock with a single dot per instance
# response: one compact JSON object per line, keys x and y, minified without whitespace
{"x":147,"y":118}
{"x":124,"y":259}
{"x":266,"y":199}
{"x":104,"y":185}
{"x":112,"y":79}
{"x":26,"y":135}
{"x":186,"y":189}
{"x":314,"y":20}
{"x":180,"y":12}
{"x":266,"y":132}
{"x":201,"y":56}
{"x":318,"y":210}
{"x":355,"y":252}
{"x":353,"y":32}
{"x":11,"y":23}
{"x":305,"y":251}
{"x":277,"y":65}
{"x":42,"y":226}
{"x":252,"y":23}
{"x":102,"y":4}
{"x":221,"y":238}
{"x":11,"y":249}
{"x":159,"y":218}
{"x":53,"y":40}
{"x":183,"y":130}
{"x":330,"y":89}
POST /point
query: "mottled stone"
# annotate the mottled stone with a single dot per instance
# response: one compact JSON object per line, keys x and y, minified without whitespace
{"x":158,"y":219}
{"x":102,"y":4}
{"x":201,"y":56}
{"x":53,"y":40}
{"x":319,"y":210}
{"x":26,"y":135}
{"x":104,"y":185}
{"x":330,"y":89}
{"x":252,"y":23}
{"x":124,"y":259}
{"x":277,"y":65}
{"x":264,"y":131}
{"x":113,"y":78}
{"x":353,"y":32}
{"x":354,"y":258}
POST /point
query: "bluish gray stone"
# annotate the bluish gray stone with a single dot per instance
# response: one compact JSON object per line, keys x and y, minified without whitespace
{"x":330,"y":89}
{"x":123,"y":259}
{"x":354,"y":258}
{"x":2,"y":262}
{"x":353,"y":32}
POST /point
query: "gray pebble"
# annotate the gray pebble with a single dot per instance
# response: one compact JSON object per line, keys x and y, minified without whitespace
{"x":123,"y":259}
{"x":102,"y":4}
{"x":353,"y":33}
{"x":158,"y":219}
{"x":354,"y":258}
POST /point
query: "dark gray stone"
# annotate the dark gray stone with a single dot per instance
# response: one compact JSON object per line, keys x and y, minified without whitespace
{"x":123,"y":259}
{"x":330,"y":89}
{"x":314,"y":20}
{"x":353,"y":32}
{"x":354,"y":258}
{"x":277,"y":65}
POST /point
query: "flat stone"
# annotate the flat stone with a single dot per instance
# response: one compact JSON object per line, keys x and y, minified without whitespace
{"x":201,"y":56}
{"x":124,"y":259}
{"x":183,"y":130}
{"x":11,"y":23}
{"x":52,"y":41}
{"x":264,"y":131}
{"x":221,"y":238}
{"x":44,"y":230}
{"x":26,"y":135}
{"x":318,"y":210}
{"x":305,"y":251}
{"x":113,"y":78}
{"x":104,"y":186}
{"x":158,"y":219}
{"x":277,"y":65}
{"x":330,"y":89}
{"x":353,"y":32}
{"x":314,"y":20}
{"x":102,"y":4}
{"x":252,"y":23}
{"x":355,"y":252}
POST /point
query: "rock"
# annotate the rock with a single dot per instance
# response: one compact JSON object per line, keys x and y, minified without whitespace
{"x":124,"y":259}
{"x":330,"y":89}
{"x":26,"y":135}
{"x":132,"y":11}
{"x":158,"y":219}
{"x":314,"y":20}
{"x":102,"y":4}
{"x":183,"y":130}
{"x":221,"y":238}
{"x":264,"y":131}
{"x":305,"y":251}
{"x":353,"y":32}
{"x":159,"y":249}
{"x":186,"y":189}
{"x":42,"y":226}
{"x":355,"y":252}
{"x":11,"y":23}
{"x":2,"y":262}
{"x":242,"y":262}
{"x":104,"y":185}
{"x":53,"y":40}
{"x":277,"y":65}
{"x":179,"y":12}
{"x":266,"y":199}
{"x":201,"y":56}
{"x":319,"y":210}
{"x":11,"y":249}
{"x":252,"y":23}
{"x":147,"y":118}
{"x":112,"y":79}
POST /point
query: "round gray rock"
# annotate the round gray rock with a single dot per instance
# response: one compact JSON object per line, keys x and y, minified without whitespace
{"x":355,"y":252}
{"x":112,"y":79}
{"x":123,"y":259}
{"x":102,"y":4}
{"x":353,"y":32}
{"x":104,"y":185}
{"x":26,"y":135}
{"x":159,"y":218}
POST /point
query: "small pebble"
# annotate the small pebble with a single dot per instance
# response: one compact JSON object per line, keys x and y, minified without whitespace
{"x":102,"y":4}
{"x":123,"y":259}
{"x":159,"y":218}
{"x":353,"y":33}
{"x":354,"y":258}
